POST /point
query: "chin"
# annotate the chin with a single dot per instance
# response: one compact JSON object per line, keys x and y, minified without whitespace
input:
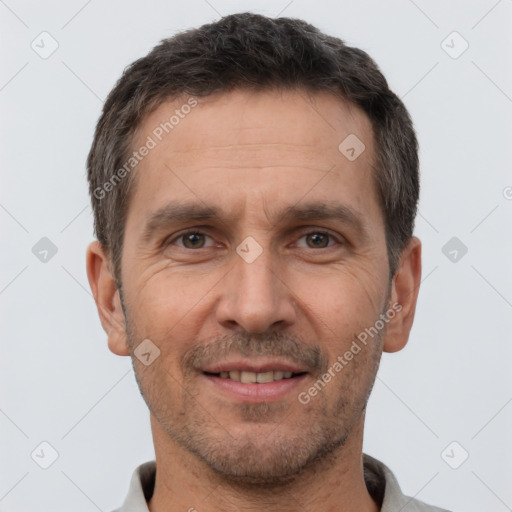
{"x":266,"y":460}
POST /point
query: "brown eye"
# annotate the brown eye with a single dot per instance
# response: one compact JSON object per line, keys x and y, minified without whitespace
{"x":318,"y":240}
{"x":191,"y":240}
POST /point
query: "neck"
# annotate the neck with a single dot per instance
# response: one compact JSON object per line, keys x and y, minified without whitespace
{"x":185,"y":483}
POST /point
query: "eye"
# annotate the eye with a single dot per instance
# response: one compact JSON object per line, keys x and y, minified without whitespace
{"x":190,"y":240}
{"x":318,"y":239}
{"x":194,"y":239}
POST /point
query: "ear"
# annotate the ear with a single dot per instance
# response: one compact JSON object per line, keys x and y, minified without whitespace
{"x":404,"y":294}
{"x":106,"y":296}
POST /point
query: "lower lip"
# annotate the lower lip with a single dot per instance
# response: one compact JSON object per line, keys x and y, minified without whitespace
{"x":254,"y":392}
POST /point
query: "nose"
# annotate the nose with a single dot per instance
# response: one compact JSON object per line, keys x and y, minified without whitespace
{"x":255,"y":297}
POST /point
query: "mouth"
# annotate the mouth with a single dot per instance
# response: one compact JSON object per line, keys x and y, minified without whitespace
{"x":251,"y":382}
{"x":248,"y":377}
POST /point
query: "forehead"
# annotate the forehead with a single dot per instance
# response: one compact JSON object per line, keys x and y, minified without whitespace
{"x":261,"y":146}
{"x":313,"y":122}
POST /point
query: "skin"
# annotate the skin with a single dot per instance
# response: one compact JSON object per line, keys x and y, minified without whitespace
{"x":304,"y":298}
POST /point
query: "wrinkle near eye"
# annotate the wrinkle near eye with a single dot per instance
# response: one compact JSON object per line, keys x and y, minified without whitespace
{"x":151,"y":272}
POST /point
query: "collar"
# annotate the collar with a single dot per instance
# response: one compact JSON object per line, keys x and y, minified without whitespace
{"x":381,"y":482}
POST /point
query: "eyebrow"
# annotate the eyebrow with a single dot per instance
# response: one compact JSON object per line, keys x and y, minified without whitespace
{"x":174,"y":213}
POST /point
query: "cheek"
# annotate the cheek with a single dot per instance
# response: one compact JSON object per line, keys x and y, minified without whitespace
{"x":343,"y":299}
{"x":165,"y":295}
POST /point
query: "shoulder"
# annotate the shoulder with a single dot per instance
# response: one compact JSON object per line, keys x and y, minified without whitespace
{"x":141,"y":488}
{"x":384,"y":488}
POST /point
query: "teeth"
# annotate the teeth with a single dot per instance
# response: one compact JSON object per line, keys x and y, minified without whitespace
{"x":265,"y":377}
{"x":247,"y":377}
{"x":234,"y":375}
{"x":251,"y":377}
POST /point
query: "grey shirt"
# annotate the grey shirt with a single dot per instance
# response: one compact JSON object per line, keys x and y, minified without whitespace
{"x":381,"y":483}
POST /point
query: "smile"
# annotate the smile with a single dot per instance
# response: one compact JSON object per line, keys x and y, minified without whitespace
{"x":252,"y":377}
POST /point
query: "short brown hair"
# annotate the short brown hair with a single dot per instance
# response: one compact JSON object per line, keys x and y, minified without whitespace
{"x":251,"y":51}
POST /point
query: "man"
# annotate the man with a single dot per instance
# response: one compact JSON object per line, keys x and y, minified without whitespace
{"x":254,"y":185}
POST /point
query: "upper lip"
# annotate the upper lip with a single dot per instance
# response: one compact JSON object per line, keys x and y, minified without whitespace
{"x":254,"y":366}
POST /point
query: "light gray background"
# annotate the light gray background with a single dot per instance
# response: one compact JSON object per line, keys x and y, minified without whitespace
{"x":60,"y":384}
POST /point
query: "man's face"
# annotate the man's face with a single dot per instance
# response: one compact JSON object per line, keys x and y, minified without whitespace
{"x":271,"y":281}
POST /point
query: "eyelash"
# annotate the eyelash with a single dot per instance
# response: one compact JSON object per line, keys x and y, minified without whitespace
{"x":197,"y":232}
